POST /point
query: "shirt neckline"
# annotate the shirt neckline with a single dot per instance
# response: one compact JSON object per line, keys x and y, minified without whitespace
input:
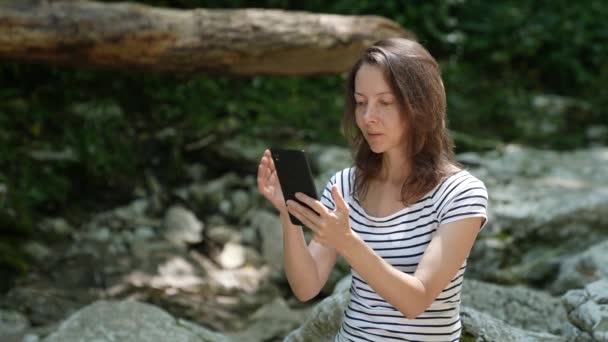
{"x":403,"y":210}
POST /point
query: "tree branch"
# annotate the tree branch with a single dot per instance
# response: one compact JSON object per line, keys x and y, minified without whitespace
{"x":241,"y":42}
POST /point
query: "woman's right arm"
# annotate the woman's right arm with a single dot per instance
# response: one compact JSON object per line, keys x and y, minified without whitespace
{"x":306,"y":267}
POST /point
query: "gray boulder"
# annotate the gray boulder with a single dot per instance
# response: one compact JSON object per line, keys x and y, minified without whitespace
{"x":484,"y":327}
{"x":580,"y":269}
{"x":588,"y":310}
{"x":543,"y":205}
{"x":129,"y":321}
{"x":268,"y":225}
{"x":12,"y":325}
{"x":271,"y":322}
{"x":182,"y":227}
{"x":518,"y":306}
{"x":325,"y":318}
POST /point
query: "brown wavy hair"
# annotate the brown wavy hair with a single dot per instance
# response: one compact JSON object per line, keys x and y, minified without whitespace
{"x":415,"y":78}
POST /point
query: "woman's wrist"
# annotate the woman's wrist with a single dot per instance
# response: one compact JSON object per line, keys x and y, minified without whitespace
{"x":286,"y":221}
{"x":349,"y":244}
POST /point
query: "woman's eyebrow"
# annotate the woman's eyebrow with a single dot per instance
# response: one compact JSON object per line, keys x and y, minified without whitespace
{"x":380,"y":93}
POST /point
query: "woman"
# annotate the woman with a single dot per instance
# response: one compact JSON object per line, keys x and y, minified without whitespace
{"x":404,"y":217}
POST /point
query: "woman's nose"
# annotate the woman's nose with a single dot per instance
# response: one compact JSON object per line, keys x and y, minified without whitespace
{"x":369,"y":116}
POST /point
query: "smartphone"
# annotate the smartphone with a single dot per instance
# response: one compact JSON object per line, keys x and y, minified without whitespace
{"x":294,"y":175}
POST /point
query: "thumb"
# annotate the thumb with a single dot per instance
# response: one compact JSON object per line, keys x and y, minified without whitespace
{"x":338,"y":199}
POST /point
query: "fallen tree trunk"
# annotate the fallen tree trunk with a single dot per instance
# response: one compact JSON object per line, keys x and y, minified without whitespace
{"x":242,"y":42}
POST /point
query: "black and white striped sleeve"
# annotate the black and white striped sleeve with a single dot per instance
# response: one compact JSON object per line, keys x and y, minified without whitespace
{"x":470,"y":199}
{"x":326,"y":197}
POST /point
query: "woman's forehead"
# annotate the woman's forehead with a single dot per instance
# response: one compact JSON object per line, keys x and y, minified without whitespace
{"x":371,"y":81}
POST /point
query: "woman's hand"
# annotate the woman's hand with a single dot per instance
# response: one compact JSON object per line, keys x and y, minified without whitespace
{"x":268,"y":182}
{"x":330,"y":228}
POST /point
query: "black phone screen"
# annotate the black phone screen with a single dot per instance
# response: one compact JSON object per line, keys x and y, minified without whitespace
{"x":294,"y":175}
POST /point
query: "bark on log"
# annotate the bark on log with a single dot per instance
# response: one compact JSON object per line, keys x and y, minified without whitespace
{"x":242,"y":42}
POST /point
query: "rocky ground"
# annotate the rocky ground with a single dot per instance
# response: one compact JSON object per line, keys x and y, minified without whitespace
{"x":204,"y":263}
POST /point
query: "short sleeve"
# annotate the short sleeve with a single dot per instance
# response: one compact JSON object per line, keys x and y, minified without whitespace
{"x":469,"y":199}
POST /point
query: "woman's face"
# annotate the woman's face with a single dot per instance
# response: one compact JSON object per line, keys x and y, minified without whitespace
{"x":377,"y":111}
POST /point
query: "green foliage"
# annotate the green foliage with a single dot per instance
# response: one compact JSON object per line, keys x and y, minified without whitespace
{"x":12,"y":264}
{"x":110,"y":122}
{"x":497,"y":57}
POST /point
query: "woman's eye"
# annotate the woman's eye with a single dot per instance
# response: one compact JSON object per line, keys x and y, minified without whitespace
{"x":360,"y":103}
{"x":384,"y":103}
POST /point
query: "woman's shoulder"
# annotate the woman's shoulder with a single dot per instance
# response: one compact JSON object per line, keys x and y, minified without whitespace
{"x":464,"y":175}
{"x":460,"y":181}
{"x":347,"y":173}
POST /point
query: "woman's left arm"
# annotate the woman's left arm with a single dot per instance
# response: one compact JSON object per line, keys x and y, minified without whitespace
{"x":413,"y":294}
{"x":410,"y":294}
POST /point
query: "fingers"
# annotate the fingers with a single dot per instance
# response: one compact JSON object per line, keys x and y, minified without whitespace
{"x":299,"y":212}
{"x":266,"y":172}
{"x":313,"y":203}
{"x":263,"y":174}
{"x":266,"y":167}
{"x":270,"y":161}
{"x":341,"y":205}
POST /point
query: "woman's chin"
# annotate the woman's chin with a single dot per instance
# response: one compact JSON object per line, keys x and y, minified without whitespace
{"x":376,"y":149}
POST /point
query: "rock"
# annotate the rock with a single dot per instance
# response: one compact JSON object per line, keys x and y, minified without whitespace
{"x":572,"y":333}
{"x":583,"y":268}
{"x":237,"y":153}
{"x":597,"y":134}
{"x":37,"y":251}
{"x":247,"y":279}
{"x":574,"y":298}
{"x":270,"y":323}
{"x":232,"y":256}
{"x":240,"y":203}
{"x":196,"y":172}
{"x":208,"y":196}
{"x":326,"y":161}
{"x":57,"y":226}
{"x":518,"y":306}
{"x":225,"y":207}
{"x":44,"y":304}
{"x":182,"y":227}
{"x":132,"y":211}
{"x":588,"y":310}
{"x":30,"y":338}
{"x":325,"y":319}
{"x":556,"y":105}
{"x":270,"y":228}
{"x":12,"y":325}
{"x":249,"y":236}
{"x":143,"y":234}
{"x":343,"y":284}
{"x":544,"y":205}
{"x":101,"y":235}
{"x":129,"y":321}
{"x":598,"y":291}
{"x":177,"y":273}
{"x":222,"y":234}
{"x":484,"y":327}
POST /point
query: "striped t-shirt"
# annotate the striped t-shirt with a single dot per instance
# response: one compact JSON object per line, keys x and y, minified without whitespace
{"x":401,"y":239}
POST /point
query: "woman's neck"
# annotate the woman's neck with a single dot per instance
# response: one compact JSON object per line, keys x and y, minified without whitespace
{"x":395,"y":169}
